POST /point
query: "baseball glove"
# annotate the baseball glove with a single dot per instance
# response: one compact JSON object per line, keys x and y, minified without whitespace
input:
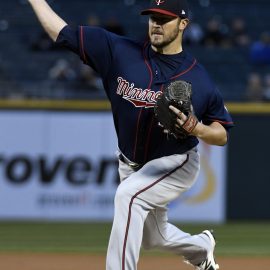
{"x":177,"y":94}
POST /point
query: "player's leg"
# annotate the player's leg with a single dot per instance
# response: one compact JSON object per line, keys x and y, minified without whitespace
{"x":126,"y":234}
{"x":112,"y":261}
{"x":160,"y":234}
{"x":155,"y":185}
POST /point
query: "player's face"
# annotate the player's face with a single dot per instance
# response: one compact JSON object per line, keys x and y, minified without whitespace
{"x":163,"y":30}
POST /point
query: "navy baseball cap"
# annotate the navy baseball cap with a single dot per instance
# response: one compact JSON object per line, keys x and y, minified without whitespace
{"x":175,"y":8}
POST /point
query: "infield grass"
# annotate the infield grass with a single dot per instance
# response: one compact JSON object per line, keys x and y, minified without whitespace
{"x":234,"y":239}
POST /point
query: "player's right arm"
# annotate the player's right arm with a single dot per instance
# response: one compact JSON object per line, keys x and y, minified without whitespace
{"x":49,"y":20}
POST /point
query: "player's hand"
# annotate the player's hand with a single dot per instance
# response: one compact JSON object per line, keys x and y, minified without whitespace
{"x":181,"y":117}
{"x":188,"y":122}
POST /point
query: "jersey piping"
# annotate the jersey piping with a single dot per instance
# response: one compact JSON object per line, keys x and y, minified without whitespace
{"x":185,"y":71}
{"x":221,"y":122}
{"x":82,"y":45}
{"x":149,"y":86}
{"x":148,"y":139}
{"x":150,"y":131}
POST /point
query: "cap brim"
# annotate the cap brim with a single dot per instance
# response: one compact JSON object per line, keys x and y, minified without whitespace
{"x":157,"y":10}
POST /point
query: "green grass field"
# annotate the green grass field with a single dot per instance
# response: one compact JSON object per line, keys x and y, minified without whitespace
{"x":234,"y":239}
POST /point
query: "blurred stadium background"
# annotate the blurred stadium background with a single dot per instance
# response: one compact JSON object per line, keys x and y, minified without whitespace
{"x":57,"y":165}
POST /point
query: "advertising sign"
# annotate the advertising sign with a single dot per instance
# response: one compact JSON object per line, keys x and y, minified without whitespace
{"x":62,"y":166}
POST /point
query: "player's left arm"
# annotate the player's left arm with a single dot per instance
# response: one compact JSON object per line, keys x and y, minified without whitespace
{"x":213,"y":133}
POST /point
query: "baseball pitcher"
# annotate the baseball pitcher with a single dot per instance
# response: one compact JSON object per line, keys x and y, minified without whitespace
{"x":162,"y":102}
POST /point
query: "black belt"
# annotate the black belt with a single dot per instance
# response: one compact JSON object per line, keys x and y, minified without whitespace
{"x":131,"y":164}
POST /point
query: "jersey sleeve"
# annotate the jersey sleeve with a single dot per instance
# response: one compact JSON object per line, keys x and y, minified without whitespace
{"x":93,"y":44}
{"x":217,"y":112}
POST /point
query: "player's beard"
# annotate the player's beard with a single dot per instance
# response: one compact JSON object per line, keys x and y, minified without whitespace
{"x":164,"y":40}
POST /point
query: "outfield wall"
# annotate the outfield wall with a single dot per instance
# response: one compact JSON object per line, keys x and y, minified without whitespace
{"x":61,"y":166}
{"x":52,"y":151}
{"x":248,"y":181}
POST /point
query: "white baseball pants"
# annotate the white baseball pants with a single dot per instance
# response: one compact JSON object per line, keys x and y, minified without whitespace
{"x":140,"y":217}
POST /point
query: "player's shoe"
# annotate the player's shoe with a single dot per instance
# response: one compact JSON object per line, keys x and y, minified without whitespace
{"x":209,"y":263}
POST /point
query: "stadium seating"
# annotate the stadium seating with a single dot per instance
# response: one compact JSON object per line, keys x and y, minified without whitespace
{"x":24,"y":71}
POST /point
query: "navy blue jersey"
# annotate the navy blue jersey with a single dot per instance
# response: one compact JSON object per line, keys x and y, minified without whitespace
{"x":134,"y":76}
